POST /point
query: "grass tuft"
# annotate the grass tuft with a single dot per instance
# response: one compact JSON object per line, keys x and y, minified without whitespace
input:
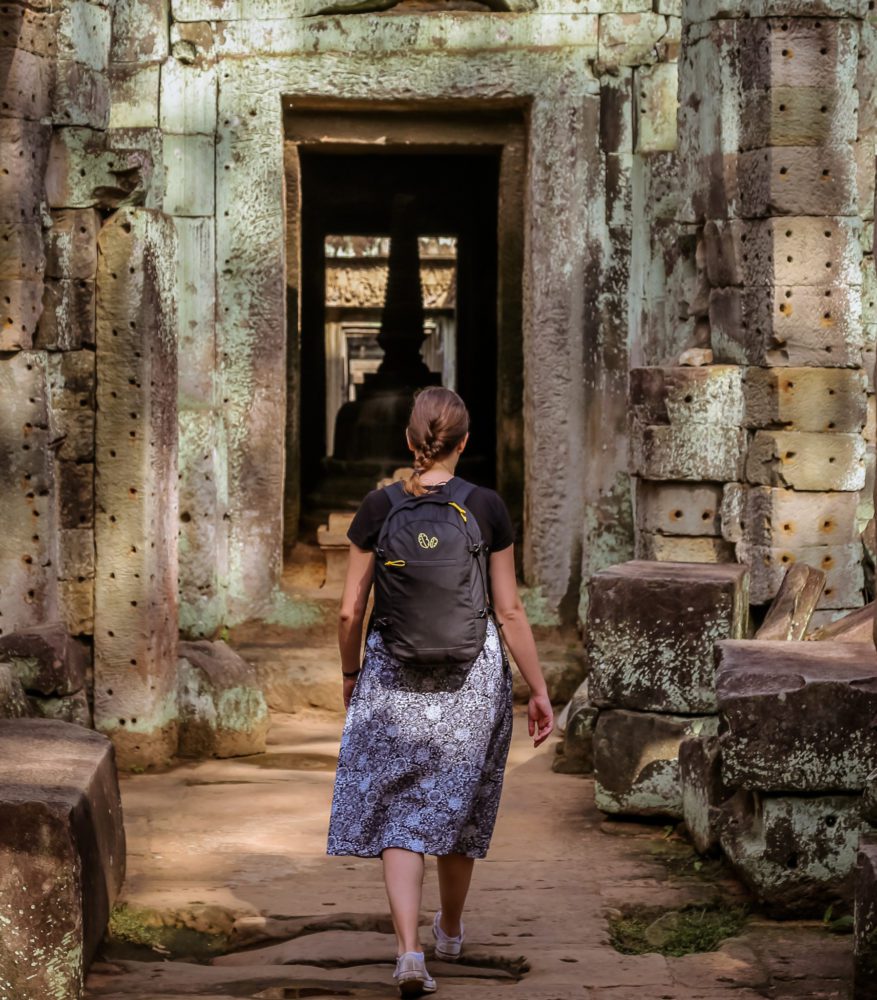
{"x":696,"y":928}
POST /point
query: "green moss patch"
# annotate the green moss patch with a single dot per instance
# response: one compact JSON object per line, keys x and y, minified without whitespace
{"x":142,"y":933}
{"x":695,"y":928}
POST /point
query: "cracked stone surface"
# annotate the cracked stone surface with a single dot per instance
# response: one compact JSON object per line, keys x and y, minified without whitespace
{"x":238,"y":845}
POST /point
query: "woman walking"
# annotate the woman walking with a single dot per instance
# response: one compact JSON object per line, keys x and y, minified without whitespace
{"x":429,"y":719}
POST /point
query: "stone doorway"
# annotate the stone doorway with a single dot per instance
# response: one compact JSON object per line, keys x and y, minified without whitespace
{"x":465,"y":173}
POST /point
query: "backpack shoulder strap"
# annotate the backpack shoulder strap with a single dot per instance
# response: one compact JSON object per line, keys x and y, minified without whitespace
{"x":460,"y":489}
{"x":397,"y":495}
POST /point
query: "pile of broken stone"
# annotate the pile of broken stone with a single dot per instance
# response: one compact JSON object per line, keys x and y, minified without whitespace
{"x":764,"y":746}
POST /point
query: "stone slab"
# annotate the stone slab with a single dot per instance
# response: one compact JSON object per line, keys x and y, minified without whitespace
{"x":795,"y":853}
{"x":806,"y":399}
{"x":651,"y":629}
{"x":788,"y":616}
{"x":222,"y":709}
{"x":807,"y":461}
{"x":857,"y":626}
{"x":13,"y":701}
{"x":62,"y":854}
{"x":797,"y":716}
{"x":678,"y":508}
{"x":45,"y":659}
{"x":636,"y":761}
{"x":865,"y":939}
{"x":703,"y":791}
{"x":575,"y":752}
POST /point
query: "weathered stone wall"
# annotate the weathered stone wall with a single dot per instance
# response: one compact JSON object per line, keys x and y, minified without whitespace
{"x":776,"y":141}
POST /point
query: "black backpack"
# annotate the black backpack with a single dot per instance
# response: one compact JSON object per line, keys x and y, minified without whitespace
{"x":431,"y":596}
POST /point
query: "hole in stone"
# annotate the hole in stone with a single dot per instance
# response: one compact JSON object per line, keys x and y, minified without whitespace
{"x":792,"y":861}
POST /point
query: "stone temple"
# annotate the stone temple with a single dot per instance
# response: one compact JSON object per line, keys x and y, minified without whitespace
{"x":637,"y":236}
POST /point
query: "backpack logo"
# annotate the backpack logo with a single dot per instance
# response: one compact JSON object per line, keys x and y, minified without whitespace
{"x":425,"y":542}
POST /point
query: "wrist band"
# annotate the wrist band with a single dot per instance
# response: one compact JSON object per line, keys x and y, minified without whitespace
{"x":350,"y":673}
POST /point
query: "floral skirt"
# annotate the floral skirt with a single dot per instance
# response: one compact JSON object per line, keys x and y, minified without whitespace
{"x":423,"y":754}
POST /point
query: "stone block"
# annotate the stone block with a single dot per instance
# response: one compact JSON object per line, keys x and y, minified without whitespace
{"x":20,"y":308}
{"x":141,"y":32}
{"x":797,"y":180}
{"x":865,"y":940}
{"x":135,"y":95}
{"x":630,"y":39}
{"x":67,"y":708}
{"x":24,"y":151}
{"x":71,"y":380}
{"x":636,"y":761}
{"x":25,"y":84}
{"x":81,"y":96}
{"x":75,"y":494}
{"x":22,"y":257}
{"x":772,"y":517}
{"x":656,"y":89}
{"x":28,"y":595}
{"x":13,"y":700}
{"x":575,"y":753}
{"x":73,"y":435}
{"x":776,"y":327}
{"x":814,"y":114}
{"x":45,"y":659}
{"x":683,"y":548}
{"x":651,"y":630}
{"x":196,"y":305}
{"x":188,"y":98}
{"x":795,"y":853}
{"x":700,"y":452}
{"x":842,"y":565}
{"x":869,"y":800}
{"x":616,"y":113}
{"x":136,"y":583}
{"x":806,"y":399}
{"x":783,"y":252}
{"x":222,"y":709}
{"x":68,"y":315}
{"x":796,"y":716}
{"x":77,"y":168}
{"x":32,"y":30}
{"x":84,"y":34}
{"x":71,"y":244}
{"x":710,"y":395}
{"x":857,"y":626}
{"x":690,"y":509}
{"x":703,"y":791}
{"x":140,"y":152}
{"x":62,"y":854}
{"x":802,"y":460}
{"x":789,"y":615}
{"x":707,"y":10}
{"x":189,"y":170}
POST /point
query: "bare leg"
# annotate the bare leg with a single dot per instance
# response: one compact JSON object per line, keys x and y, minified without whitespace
{"x":403,"y":877}
{"x":455,"y":874}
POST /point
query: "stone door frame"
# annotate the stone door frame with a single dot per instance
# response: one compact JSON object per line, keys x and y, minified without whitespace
{"x":562,"y":223}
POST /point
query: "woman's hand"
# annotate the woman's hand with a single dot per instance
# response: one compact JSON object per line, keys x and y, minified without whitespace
{"x":349,"y":685}
{"x":540,"y":718}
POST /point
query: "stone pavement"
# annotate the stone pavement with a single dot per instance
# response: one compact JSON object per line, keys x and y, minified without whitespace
{"x":226,"y":857}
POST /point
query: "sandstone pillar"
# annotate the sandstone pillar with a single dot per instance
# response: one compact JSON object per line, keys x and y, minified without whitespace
{"x":136,"y":623}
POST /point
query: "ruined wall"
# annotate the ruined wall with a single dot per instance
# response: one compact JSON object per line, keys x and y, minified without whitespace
{"x":761,"y":455}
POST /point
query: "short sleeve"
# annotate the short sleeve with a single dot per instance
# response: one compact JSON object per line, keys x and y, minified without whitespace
{"x":366,"y":524}
{"x":503,"y":532}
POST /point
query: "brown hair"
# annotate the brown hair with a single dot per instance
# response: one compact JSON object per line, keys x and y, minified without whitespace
{"x":438,"y":423}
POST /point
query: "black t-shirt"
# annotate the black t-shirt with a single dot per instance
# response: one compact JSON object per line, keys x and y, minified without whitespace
{"x":486,"y":504}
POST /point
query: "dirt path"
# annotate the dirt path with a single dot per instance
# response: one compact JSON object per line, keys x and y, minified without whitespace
{"x":228,"y":855}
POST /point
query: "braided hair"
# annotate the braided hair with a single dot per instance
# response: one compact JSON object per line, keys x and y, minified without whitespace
{"x":439,"y":421}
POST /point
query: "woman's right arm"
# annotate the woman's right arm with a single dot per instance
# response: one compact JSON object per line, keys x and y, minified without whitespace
{"x":519,"y":637}
{"x":357,"y":584}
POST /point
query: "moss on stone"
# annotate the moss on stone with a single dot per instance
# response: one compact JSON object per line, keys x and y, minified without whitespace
{"x":642,"y":929}
{"x":142,"y":932}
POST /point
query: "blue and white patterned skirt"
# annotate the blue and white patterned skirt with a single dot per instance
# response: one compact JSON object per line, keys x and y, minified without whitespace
{"x":423,"y":755}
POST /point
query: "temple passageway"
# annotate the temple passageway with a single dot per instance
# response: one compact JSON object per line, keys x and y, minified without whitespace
{"x":229,"y":855}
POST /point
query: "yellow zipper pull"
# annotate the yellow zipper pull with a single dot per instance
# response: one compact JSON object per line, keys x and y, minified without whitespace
{"x":395,"y":562}
{"x":458,"y":508}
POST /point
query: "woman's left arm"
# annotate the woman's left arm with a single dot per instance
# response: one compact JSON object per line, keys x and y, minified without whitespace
{"x":357,"y":585}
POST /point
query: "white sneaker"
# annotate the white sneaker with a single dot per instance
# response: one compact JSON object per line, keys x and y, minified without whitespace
{"x":446,"y":947}
{"x":411,"y":976}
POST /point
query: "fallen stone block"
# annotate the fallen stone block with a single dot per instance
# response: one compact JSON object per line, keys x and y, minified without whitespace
{"x":13,"y":700}
{"x":805,"y":461}
{"x":575,"y":752}
{"x":865,"y":931}
{"x":806,"y":399}
{"x":222,"y":708}
{"x":703,"y":791}
{"x":62,"y":854}
{"x":789,"y":615}
{"x":797,"y":716}
{"x":690,"y":509}
{"x":857,"y":626}
{"x":651,"y":629}
{"x":636,"y":761}
{"x":45,"y":659}
{"x":796,"y":853}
